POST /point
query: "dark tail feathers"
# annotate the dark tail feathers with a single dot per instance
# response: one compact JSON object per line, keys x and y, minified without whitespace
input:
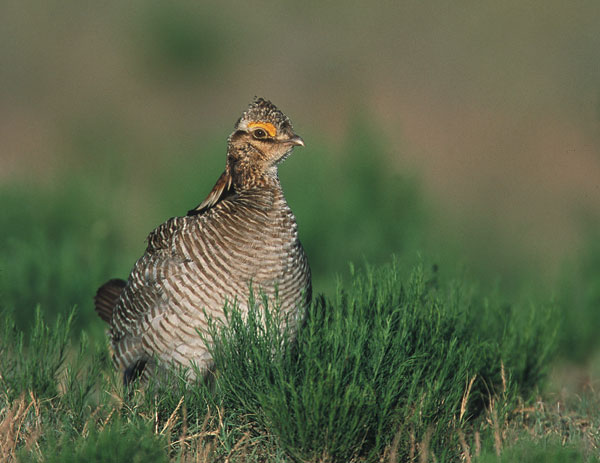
{"x":107,"y":296}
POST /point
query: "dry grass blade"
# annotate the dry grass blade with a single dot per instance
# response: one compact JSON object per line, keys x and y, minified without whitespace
{"x":15,"y":427}
{"x":20,"y":417}
{"x":393,"y":449}
{"x":184,"y":431}
{"x":465,"y":398}
{"x":242,"y":442}
{"x":496,"y":428}
{"x":413,"y":445}
{"x":203,"y":433}
{"x":200,"y":450}
{"x":424,"y":446}
{"x":105,"y":422}
{"x":84,"y":432}
{"x":465,"y":446}
{"x":477,"y":444}
{"x":171,"y":419}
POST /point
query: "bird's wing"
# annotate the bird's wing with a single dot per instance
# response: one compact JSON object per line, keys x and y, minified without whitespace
{"x":161,"y":307}
{"x":144,"y":291}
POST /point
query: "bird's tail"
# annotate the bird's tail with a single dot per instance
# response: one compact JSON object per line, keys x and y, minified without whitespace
{"x":107,"y":296}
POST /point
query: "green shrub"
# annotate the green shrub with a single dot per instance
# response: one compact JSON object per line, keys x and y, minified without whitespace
{"x":387,"y":362}
{"x":118,"y":442}
{"x":32,"y":362}
{"x":388,"y":355}
{"x":542,"y":451}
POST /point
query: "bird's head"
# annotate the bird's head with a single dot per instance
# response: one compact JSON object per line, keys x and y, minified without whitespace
{"x":263,"y":137}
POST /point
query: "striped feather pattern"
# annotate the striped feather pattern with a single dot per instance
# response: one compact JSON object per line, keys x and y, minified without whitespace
{"x":194,"y":264}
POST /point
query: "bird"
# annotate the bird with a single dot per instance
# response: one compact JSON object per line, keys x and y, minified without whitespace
{"x":242,"y":239}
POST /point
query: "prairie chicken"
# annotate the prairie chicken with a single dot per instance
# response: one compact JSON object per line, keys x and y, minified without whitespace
{"x":242,"y":235}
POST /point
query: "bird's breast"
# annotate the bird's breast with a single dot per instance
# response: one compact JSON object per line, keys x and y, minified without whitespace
{"x":239,"y":244}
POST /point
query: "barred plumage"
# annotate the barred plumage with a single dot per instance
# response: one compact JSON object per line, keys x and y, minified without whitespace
{"x":242,"y":234}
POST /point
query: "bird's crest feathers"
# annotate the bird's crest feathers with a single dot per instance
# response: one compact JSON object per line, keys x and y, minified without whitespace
{"x":262,"y":113}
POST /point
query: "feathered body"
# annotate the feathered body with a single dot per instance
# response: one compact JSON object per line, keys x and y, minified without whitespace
{"x":242,"y":235}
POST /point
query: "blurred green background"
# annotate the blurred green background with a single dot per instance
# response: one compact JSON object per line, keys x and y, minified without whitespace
{"x":465,"y":136}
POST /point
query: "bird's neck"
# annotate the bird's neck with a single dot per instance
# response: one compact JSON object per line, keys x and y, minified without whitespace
{"x":259,"y":188}
{"x":259,"y":184}
{"x":249,"y":176}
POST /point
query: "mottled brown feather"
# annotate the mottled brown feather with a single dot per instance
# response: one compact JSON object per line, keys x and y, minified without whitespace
{"x":222,"y":189}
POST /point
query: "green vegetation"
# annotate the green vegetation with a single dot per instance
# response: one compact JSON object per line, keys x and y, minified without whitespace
{"x":539,"y":452}
{"x":53,"y":251}
{"x":390,"y":353}
{"x":395,"y":366}
{"x":396,"y":361}
{"x":581,"y":300}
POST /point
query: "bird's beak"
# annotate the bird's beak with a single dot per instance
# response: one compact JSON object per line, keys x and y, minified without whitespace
{"x":296,"y":141}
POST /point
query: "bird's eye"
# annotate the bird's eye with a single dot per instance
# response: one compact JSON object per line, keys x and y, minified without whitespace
{"x":260,"y":134}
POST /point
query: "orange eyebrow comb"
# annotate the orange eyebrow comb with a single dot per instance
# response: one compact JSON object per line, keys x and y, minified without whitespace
{"x":267,"y":126}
